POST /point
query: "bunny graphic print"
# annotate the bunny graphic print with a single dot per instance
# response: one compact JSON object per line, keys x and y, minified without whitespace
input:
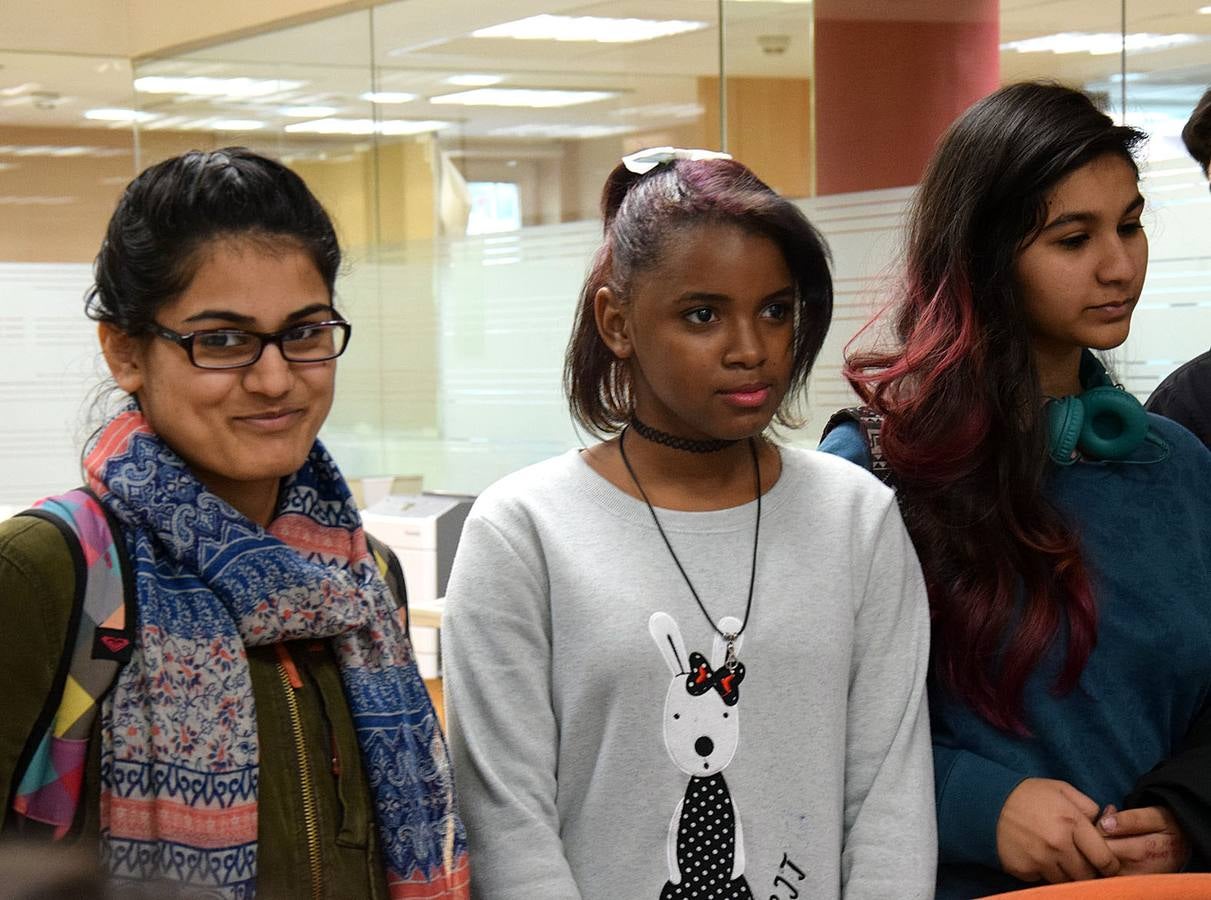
{"x":701,"y":732}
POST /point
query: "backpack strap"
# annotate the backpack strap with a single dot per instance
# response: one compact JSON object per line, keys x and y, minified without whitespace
{"x":392,"y":573}
{"x":50,"y":772}
{"x":870,"y":423}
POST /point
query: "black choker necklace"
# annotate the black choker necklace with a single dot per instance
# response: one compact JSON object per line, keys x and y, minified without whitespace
{"x":730,"y":638}
{"x":648,"y":433}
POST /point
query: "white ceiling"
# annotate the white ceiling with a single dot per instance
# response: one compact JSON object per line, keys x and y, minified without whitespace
{"x":414,"y":45}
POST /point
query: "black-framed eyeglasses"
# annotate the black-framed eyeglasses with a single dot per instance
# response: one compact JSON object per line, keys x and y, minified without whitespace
{"x":234,"y":348}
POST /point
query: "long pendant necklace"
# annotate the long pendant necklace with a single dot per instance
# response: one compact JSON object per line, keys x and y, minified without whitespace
{"x":730,"y":638}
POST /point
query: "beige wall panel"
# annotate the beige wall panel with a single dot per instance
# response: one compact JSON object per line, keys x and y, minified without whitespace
{"x":54,"y":209}
{"x":343,"y":187}
{"x":156,"y":26}
{"x":68,"y":26}
{"x":407,"y":190}
{"x":134,"y":28}
{"x":768,"y":128}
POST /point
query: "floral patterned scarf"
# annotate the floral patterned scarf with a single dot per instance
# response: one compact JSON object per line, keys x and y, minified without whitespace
{"x":180,"y":755}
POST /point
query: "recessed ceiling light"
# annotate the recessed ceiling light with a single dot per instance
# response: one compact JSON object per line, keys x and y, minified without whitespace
{"x":531,"y":97}
{"x":598,"y":29}
{"x":236,"y":124}
{"x":366,"y":126}
{"x":409,"y":126}
{"x":556,"y":132}
{"x":113,"y":114}
{"x":1205,"y":10}
{"x":332,"y":126}
{"x":660,"y":111}
{"x":1100,"y":43}
{"x":204,"y":86}
{"x":475,"y":80}
{"x":308,"y":112}
{"x":388,"y":96}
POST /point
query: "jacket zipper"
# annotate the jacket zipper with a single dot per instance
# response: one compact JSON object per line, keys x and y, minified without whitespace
{"x":291,"y":683}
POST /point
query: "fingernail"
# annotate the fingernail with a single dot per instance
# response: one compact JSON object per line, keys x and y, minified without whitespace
{"x":1109,"y":823}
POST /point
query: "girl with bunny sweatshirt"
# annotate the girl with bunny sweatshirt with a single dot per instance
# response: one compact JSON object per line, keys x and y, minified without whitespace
{"x":567,"y":767}
{"x":675,"y":666}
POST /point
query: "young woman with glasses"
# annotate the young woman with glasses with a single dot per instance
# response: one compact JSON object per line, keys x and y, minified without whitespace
{"x":266,"y":729}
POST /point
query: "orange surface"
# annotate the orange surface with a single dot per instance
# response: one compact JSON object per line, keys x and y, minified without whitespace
{"x":438,"y":696}
{"x":1135,"y":887}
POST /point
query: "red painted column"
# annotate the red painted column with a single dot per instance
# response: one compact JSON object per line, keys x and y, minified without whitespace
{"x":890,"y":77}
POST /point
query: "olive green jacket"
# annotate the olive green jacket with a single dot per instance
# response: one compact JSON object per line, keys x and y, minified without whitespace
{"x":335,"y":857}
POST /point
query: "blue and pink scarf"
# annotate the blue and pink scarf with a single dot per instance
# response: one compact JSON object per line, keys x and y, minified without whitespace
{"x":180,"y":755}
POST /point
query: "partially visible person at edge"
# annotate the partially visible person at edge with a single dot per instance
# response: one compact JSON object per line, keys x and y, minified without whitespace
{"x":1069,"y":569}
{"x":270,"y":733}
{"x":1185,"y":395}
{"x":686,"y":663}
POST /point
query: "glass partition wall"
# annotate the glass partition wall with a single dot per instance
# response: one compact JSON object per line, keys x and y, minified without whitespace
{"x":461,"y":148}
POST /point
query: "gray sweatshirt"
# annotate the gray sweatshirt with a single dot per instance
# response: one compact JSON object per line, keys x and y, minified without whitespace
{"x":603,"y":748}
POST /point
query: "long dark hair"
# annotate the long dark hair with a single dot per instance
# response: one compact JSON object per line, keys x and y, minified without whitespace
{"x":175,"y":207}
{"x":641,"y":213}
{"x":963,"y":429}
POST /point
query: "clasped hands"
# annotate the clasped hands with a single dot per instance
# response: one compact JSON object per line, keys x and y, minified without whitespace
{"x":1049,"y":830}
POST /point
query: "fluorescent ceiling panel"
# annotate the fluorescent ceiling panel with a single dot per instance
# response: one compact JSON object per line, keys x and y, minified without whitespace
{"x":308,"y":112}
{"x":528,"y":97}
{"x":1100,"y":43}
{"x":236,"y":124}
{"x":597,"y":29}
{"x":113,"y":114}
{"x":203,"y":86}
{"x":388,"y":96}
{"x":557,"y":132}
{"x":475,"y":80}
{"x":660,"y":111}
{"x":366,"y":126}
{"x":410,"y":126}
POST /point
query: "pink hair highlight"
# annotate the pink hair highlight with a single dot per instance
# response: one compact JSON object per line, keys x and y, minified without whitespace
{"x":1002,"y":587}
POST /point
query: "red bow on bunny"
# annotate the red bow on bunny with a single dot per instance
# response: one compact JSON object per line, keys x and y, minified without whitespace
{"x":701,"y":679}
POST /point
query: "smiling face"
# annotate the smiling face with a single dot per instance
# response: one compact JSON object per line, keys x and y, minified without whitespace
{"x":239,"y":430}
{"x":1080,"y":278}
{"x":708,"y":333}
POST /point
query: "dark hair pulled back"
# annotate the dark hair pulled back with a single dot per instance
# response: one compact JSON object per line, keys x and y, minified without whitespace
{"x":642,"y":213}
{"x":171,"y":211}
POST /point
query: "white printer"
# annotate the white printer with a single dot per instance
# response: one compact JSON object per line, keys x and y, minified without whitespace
{"x":423,"y":530}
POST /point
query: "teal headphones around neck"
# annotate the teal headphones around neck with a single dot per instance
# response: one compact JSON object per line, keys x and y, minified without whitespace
{"x":1101,"y":422}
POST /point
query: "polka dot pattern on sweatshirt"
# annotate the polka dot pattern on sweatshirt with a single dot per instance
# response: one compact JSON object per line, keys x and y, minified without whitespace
{"x":706,"y":845}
